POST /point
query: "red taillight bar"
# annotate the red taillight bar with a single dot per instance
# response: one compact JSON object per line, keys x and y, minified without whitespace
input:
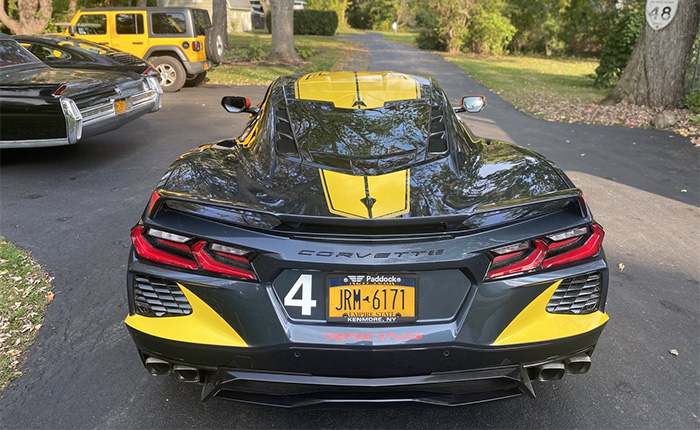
{"x":532,"y":261}
{"x":589,"y":249}
{"x":537,"y":259}
{"x":148,"y":251}
{"x":206,"y":262}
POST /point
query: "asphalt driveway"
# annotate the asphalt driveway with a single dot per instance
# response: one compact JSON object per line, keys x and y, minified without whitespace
{"x":73,"y":208}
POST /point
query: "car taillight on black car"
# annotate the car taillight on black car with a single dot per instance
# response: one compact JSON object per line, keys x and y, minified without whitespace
{"x":546,"y":252}
{"x":190,"y":253}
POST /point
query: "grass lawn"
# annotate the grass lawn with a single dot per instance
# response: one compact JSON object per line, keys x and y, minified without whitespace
{"x":402,"y":37}
{"x":525,"y":81}
{"x":25,"y":291}
{"x":330,"y":53}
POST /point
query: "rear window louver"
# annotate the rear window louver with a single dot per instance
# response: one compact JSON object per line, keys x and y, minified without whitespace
{"x":284,"y":136}
{"x":437,"y":140}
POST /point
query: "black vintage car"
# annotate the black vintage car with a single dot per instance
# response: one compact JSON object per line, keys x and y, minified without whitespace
{"x":42,"y":106}
{"x":70,"y":52}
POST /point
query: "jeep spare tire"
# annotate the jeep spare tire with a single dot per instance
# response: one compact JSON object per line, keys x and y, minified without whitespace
{"x":172,"y":73}
{"x":215,"y":44}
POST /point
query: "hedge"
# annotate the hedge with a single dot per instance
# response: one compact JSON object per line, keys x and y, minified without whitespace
{"x":317,"y":22}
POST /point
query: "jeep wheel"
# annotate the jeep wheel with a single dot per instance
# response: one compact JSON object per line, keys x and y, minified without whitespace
{"x":172,"y":73}
{"x":215,"y":45}
{"x":196,"y":80}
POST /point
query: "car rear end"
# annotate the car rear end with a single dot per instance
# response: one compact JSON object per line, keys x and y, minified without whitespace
{"x":298,"y":311}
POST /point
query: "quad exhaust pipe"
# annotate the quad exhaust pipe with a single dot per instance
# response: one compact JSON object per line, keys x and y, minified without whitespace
{"x":555,"y":370}
{"x":186,"y":374}
{"x":156,"y":366}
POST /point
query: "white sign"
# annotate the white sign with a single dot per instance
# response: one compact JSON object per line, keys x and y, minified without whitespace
{"x":660,"y":13}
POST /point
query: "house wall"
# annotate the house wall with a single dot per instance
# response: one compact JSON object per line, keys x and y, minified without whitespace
{"x":238,"y":20}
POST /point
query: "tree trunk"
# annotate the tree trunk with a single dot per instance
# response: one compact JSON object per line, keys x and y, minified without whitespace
{"x":655,"y":73}
{"x":33,"y":16}
{"x":72,"y":8}
{"x":219,"y":19}
{"x":282,"y":49}
{"x":141,"y":3}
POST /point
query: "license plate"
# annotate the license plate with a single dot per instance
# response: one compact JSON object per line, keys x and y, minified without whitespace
{"x":372,"y":299}
{"x":119,"y":106}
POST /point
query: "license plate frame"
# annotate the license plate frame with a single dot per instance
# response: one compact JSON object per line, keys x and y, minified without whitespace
{"x":384,"y":289}
{"x":120,"y":106}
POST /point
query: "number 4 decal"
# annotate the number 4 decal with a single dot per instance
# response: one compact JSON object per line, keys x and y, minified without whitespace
{"x":306,"y":302}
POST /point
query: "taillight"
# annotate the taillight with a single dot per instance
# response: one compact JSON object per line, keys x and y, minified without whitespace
{"x":149,"y":71}
{"x":546,"y":252}
{"x":59,"y":91}
{"x":196,"y":46}
{"x":189,"y":253}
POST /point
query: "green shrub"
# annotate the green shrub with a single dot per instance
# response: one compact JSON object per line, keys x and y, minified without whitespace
{"x":256,"y":50}
{"x":692,"y":100}
{"x":619,"y":45}
{"x":315,"y":22}
{"x":430,"y":39}
{"x":488,"y":33}
{"x":305,"y":51}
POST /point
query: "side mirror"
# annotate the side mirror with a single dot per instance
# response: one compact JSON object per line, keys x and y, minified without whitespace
{"x":236,"y":104}
{"x":71,"y":30}
{"x":471,"y":104}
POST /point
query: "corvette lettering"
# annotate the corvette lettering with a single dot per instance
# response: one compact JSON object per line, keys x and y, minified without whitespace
{"x":372,"y":337}
{"x":368,"y":255}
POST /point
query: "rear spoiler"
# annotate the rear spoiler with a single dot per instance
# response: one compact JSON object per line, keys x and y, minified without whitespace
{"x":241,"y":214}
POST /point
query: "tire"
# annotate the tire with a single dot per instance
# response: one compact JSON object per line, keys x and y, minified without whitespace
{"x":196,"y":80}
{"x":172,"y":73}
{"x":215,"y":45}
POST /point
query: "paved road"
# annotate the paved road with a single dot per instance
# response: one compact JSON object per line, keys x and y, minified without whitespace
{"x":73,"y":207}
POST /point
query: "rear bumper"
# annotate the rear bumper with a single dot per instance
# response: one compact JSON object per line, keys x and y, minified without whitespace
{"x":196,"y":67}
{"x":310,"y":375}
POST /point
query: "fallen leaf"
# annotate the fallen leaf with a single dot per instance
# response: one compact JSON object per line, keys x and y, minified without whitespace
{"x":621,"y":266}
{"x":583,"y":155}
{"x":684,"y":190}
{"x":49,"y":297}
{"x":673,"y":352}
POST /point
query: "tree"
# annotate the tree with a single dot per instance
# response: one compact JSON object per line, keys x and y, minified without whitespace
{"x":282,"y":49}
{"x":33,"y":16}
{"x":655,"y":73}
{"x":218,"y":11}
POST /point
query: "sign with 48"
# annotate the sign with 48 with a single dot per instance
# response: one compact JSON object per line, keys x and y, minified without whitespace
{"x":660,"y":13}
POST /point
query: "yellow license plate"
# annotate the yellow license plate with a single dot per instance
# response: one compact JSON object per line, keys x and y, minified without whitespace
{"x":372,"y":299}
{"x":119,"y":106}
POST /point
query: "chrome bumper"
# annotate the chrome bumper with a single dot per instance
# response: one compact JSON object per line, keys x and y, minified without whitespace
{"x":98,"y":119}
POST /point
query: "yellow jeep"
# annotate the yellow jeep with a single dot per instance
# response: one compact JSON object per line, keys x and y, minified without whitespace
{"x":180,"y":42}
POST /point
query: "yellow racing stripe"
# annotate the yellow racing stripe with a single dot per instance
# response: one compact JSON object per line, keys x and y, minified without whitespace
{"x":203,"y":325}
{"x":350,"y":90}
{"x":535,"y":324}
{"x":382,"y":196}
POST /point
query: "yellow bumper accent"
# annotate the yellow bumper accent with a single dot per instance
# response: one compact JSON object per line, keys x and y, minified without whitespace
{"x":364,"y":90}
{"x":347,"y":195}
{"x":535,"y":324}
{"x":203,"y":325}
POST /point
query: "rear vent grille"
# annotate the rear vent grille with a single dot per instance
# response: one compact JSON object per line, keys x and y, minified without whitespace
{"x":579,"y":295}
{"x":284,"y":136}
{"x":158,"y":297}
{"x":437,"y":142}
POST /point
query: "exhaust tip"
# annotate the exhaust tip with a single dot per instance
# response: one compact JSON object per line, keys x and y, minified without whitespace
{"x":578,"y":364}
{"x":186,"y":374}
{"x":551,"y":371}
{"x":156,"y":366}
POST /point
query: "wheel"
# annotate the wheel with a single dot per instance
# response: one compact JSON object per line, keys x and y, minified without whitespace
{"x":196,"y":80}
{"x":215,"y":45}
{"x":172,"y":73}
